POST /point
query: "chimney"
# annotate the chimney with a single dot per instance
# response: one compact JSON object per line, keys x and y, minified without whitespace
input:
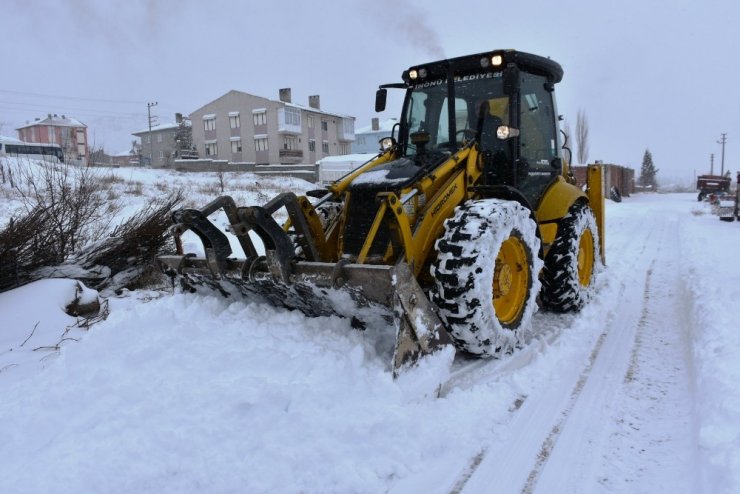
{"x":178,"y":118}
{"x":314,"y":102}
{"x":285,"y":95}
{"x":376,"y":124}
{"x":49,"y":115}
{"x":63,"y":117}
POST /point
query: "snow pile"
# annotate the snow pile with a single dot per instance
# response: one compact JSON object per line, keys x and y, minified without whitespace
{"x":712,"y":278}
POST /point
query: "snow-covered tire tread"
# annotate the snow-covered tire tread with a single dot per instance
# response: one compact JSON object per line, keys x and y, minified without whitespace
{"x":464,"y":270}
{"x":562,"y":290}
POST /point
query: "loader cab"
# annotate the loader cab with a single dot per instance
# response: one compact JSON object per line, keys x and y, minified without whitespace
{"x":502,"y":102}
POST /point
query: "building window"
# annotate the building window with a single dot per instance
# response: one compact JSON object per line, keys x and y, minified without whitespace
{"x":211,"y":149}
{"x":344,"y":148}
{"x":159,"y":137}
{"x":236,"y":146}
{"x":310,"y":122}
{"x":260,"y":118}
{"x":209,"y":123}
{"x":260,"y":144}
{"x":161,"y":155}
{"x":234,"y":121}
{"x":325,"y":147}
{"x":311,"y":145}
{"x":292,"y":116}
{"x":290,"y":142}
{"x":324,"y":125}
{"x":146,"y":139}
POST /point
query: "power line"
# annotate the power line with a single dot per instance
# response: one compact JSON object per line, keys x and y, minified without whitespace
{"x":77,"y":98}
{"x":23,"y":107}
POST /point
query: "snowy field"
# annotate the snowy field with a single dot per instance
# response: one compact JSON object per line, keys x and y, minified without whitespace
{"x":178,"y":393}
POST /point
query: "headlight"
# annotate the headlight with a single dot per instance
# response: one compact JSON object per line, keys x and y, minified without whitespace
{"x":386,"y":143}
{"x":413,"y":74}
{"x":497,"y":60}
{"x":504,"y":132}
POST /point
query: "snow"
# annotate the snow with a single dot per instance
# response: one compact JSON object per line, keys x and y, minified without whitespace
{"x":197,"y":393}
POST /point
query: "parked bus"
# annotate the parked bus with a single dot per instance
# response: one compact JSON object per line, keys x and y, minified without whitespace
{"x":14,"y":147}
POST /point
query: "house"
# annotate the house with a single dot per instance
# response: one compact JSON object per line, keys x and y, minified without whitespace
{"x":69,"y":133}
{"x":367,"y":138}
{"x":158,"y":144}
{"x":243,"y":128}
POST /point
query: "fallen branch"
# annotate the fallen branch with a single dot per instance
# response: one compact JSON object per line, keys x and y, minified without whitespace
{"x":32,"y":332}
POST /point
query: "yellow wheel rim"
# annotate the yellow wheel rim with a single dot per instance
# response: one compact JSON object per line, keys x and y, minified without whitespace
{"x":510,"y":281}
{"x":585,"y":258}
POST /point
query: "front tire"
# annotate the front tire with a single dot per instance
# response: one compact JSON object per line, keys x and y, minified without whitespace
{"x":572,"y":262}
{"x":485,"y":274}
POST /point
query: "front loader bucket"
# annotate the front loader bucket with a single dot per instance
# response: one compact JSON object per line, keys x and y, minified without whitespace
{"x":361,"y":292}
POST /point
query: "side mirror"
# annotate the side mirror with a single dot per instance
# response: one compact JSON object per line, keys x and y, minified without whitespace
{"x":380,"y":97}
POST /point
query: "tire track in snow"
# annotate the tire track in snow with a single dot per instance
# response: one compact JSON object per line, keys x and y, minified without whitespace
{"x":652,"y":430}
{"x":550,"y":443}
{"x":537,"y":429}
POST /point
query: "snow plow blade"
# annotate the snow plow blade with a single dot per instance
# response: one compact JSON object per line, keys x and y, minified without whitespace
{"x":360,"y":292}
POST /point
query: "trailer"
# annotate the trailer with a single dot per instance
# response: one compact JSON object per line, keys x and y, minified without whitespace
{"x":712,"y":184}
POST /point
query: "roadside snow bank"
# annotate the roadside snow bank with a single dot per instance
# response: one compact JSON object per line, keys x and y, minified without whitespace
{"x":712,"y":280}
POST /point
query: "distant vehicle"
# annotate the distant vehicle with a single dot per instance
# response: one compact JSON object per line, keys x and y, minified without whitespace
{"x":15,"y":148}
{"x":708,"y":184}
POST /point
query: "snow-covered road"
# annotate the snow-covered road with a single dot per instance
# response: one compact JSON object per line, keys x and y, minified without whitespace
{"x":637,"y":393}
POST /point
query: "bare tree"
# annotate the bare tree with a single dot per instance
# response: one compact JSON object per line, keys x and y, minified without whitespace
{"x":221,"y":176}
{"x":567,"y":139}
{"x":582,"y":136}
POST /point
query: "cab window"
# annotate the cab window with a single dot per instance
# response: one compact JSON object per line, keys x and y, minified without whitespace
{"x":537,"y":122}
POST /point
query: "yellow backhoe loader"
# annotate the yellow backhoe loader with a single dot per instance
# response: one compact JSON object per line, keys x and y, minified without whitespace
{"x":466,"y":221}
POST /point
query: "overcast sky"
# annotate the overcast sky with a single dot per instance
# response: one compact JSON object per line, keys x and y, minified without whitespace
{"x":648,"y":74}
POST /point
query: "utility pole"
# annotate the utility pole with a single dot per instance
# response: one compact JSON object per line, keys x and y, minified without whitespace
{"x":723,"y":141}
{"x":711,"y":164}
{"x":151,"y":142}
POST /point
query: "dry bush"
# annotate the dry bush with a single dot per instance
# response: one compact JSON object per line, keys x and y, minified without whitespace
{"x":135,"y":188}
{"x":71,"y":201}
{"x":128,"y":254}
{"x":209,"y":190}
{"x":111,"y":179}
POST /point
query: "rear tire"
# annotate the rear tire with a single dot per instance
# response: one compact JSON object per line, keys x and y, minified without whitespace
{"x":485,"y":274}
{"x":572,"y":262}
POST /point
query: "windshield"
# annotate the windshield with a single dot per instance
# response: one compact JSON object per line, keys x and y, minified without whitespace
{"x":428,"y":107}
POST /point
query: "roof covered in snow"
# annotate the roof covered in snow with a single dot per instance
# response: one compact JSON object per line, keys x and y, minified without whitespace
{"x":157,"y":128}
{"x":384,"y":126}
{"x":284,"y":103}
{"x":9,"y":140}
{"x":55,"y":120}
